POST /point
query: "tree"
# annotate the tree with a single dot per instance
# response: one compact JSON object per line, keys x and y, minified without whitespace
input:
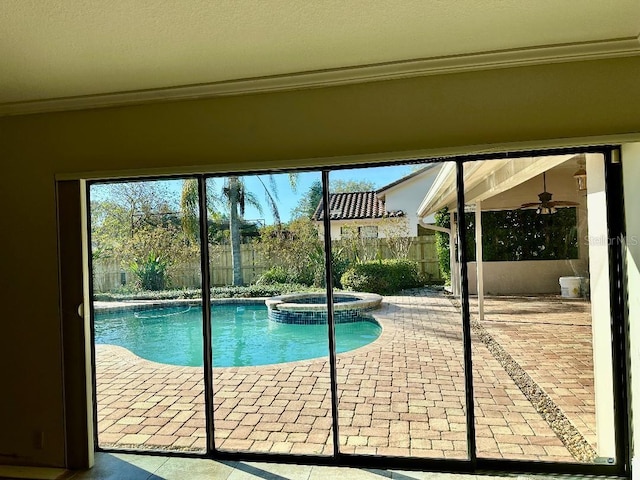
{"x":443,"y":219}
{"x":121,"y":209}
{"x":397,"y":236}
{"x":190,"y":208}
{"x":136,"y":224}
{"x":309,"y":202}
{"x":295,"y":253}
{"x":142,"y":201}
{"x":346,"y":186}
{"x":233,"y":198}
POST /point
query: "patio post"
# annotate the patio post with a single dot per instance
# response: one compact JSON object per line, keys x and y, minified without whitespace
{"x":479,"y":270}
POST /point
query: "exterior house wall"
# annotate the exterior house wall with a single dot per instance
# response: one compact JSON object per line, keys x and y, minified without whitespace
{"x":506,"y":109}
{"x":407,"y":196}
{"x":385,"y":227}
{"x":525,"y":277}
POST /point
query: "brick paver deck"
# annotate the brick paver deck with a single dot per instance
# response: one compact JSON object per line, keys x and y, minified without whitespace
{"x":401,"y":395}
{"x":551,"y":338}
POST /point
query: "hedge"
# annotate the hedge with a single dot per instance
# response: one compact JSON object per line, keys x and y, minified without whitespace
{"x":384,"y":277}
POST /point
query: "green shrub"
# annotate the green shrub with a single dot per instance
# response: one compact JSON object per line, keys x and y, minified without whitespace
{"x":442,"y":245}
{"x":150,"y":272}
{"x":384,"y":277}
{"x":252,"y":291}
{"x":274,"y":275}
{"x":195,"y":293}
{"x":339,"y":265}
{"x":128,"y":294}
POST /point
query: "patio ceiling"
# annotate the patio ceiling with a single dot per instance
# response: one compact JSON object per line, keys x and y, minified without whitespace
{"x":484,"y":179}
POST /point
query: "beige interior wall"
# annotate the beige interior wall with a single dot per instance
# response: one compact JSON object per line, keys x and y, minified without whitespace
{"x":556,"y":104}
{"x":630,"y":174}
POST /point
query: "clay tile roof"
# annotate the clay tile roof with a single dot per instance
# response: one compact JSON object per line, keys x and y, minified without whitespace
{"x":355,"y":205}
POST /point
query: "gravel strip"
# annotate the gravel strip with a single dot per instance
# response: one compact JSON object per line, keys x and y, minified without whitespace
{"x":566,"y":431}
{"x":541,"y":401}
{"x":544,"y":405}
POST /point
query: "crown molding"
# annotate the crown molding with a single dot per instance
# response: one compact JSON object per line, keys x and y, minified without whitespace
{"x":622,"y":47}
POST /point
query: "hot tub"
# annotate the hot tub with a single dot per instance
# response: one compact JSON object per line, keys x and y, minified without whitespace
{"x":311,"y":308}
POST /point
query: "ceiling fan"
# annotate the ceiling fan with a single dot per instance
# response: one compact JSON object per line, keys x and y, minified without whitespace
{"x":546,"y":205}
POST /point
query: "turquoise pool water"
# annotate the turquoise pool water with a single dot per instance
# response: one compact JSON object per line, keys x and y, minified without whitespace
{"x":242,"y":335}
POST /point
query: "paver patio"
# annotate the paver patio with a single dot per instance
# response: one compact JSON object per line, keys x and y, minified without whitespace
{"x":551,"y":338}
{"x":401,"y":395}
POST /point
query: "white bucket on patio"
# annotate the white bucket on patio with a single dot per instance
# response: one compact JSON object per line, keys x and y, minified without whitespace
{"x":570,"y":287}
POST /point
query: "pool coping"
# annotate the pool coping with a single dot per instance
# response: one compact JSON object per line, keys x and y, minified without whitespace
{"x":137,"y":305}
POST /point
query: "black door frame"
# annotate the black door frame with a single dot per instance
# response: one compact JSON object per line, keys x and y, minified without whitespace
{"x":473,"y":464}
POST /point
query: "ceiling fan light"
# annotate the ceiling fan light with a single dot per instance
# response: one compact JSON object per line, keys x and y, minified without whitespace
{"x":544,"y":210}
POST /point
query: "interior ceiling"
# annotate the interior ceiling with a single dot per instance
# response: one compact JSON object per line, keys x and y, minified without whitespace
{"x":62,"y":48}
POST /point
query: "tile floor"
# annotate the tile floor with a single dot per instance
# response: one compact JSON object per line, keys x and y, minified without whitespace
{"x":144,"y":467}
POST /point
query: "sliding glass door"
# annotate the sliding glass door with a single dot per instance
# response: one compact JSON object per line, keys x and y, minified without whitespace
{"x":269,"y":326}
{"x":541,"y":308}
{"x":147,"y":316}
{"x":402,"y":393}
{"x":452,"y":314}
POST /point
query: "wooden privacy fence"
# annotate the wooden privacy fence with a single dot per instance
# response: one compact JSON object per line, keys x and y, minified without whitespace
{"x":109,"y":275}
{"x":422,"y":250}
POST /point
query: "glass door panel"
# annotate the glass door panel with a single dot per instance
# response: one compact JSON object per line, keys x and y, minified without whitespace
{"x":401,"y":389}
{"x":268,"y":315}
{"x":147,"y":316}
{"x":540,"y":308}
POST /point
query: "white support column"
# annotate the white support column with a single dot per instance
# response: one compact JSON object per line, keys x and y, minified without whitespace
{"x":600,"y":305}
{"x":453,"y":260}
{"x":479,"y":271}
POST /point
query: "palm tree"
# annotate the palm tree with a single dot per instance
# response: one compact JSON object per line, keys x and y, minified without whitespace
{"x":234,"y":196}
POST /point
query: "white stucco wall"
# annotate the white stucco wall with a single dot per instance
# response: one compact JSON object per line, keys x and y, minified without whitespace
{"x":407,"y":196}
{"x":337,"y":224}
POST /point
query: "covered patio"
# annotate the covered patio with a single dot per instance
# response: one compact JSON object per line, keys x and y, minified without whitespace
{"x":562,"y":345}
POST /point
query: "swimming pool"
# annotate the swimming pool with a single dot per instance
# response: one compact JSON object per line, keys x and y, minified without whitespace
{"x":242,"y":335}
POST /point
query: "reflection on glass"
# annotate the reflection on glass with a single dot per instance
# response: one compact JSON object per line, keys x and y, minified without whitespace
{"x":148,"y":354}
{"x":264,"y":242}
{"x":540,"y":309}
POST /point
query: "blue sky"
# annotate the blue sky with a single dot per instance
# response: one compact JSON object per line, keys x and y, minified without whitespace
{"x":287,"y":199}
